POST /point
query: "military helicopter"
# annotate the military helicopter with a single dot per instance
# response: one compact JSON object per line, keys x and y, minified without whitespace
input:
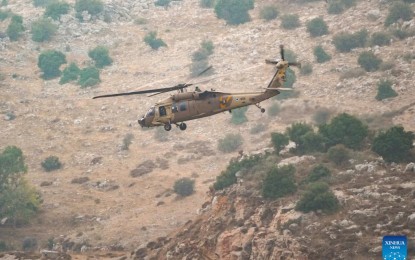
{"x":184,"y":106}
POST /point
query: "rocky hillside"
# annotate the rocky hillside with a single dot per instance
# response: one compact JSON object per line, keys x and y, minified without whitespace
{"x":107,"y":198}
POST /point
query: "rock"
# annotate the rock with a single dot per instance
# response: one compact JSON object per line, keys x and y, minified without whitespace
{"x":373,"y":14}
{"x":410,"y":167}
{"x":3,"y":221}
{"x":297,"y":160}
{"x":411,"y":219}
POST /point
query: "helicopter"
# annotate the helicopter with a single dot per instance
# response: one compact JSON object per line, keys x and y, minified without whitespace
{"x":184,"y":106}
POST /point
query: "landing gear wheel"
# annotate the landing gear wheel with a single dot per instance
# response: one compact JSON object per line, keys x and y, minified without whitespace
{"x":167,"y":127}
{"x":262,"y":110}
{"x":182,"y":126}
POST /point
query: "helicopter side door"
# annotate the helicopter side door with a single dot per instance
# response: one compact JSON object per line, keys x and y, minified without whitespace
{"x":164,"y":114}
{"x":183,"y":110}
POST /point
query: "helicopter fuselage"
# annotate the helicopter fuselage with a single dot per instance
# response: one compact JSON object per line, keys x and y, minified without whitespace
{"x":187,"y":106}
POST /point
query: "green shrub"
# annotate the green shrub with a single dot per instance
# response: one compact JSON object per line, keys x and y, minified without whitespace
{"x":51,"y":163}
{"x":398,"y":11}
{"x":344,"y":129}
{"x":380,"y":39}
{"x":43,"y":30}
{"x":297,"y":130}
{"x":339,"y":155}
{"x":274,"y":110}
{"x":321,"y":55}
{"x":385,"y":90}
{"x":100,"y":56}
{"x":317,"y":173}
{"x":290,"y":21}
{"x":227,"y":177}
{"x":402,"y":34}
{"x":318,"y":197}
{"x":234,"y":12}
{"x":29,"y":244}
{"x":4,"y":3}
{"x":49,"y":62}
{"x":345,"y":42}
{"x":15,"y":28}
{"x":164,"y":3}
{"x":200,"y":54}
{"x":238,"y":116}
{"x":208,"y":46}
{"x":279,"y":182}
{"x":317,"y":27}
{"x":207,"y":3}
{"x":56,"y":9}
{"x":368,"y":61}
{"x":230,"y":143}
{"x":93,"y":7}
{"x":4,"y":15}
{"x":184,"y":186}
{"x":394,"y":145}
{"x":348,"y":3}
{"x":70,"y":73}
{"x":89,"y":77}
{"x":43,"y":3}
{"x":335,"y":7}
{"x":126,"y":142}
{"x":322,"y":116}
{"x":310,"y":142}
{"x":306,"y":69}
{"x":154,"y":42}
{"x":269,"y":12}
{"x":198,"y":67}
{"x":290,"y":56}
{"x":279,"y":141}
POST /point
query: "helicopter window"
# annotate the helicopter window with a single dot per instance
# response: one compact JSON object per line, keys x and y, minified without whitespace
{"x":162,"y":111}
{"x":183,"y":106}
{"x":174,"y":108}
{"x":150,"y":112}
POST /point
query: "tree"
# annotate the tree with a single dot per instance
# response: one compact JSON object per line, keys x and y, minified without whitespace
{"x":43,"y":30}
{"x":279,"y":182}
{"x":394,"y":145}
{"x":321,"y":55}
{"x":18,"y":201}
{"x":230,"y":143}
{"x":49,"y":62}
{"x":184,"y":187}
{"x":398,"y":11}
{"x":54,"y":10}
{"x":15,"y":28}
{"x":290,"y":21}
{"x":368,"y":61}
{"x":296,"y":131}
{"x":269,"y":12}
{"x":318,"y":197}
{"x":93,"y":7}
{"x":154,"y":42}
{"x":89,"y":77}
{"x":51,"y":163}
{"x":100,"y":55}
{"x":234,"y":12}
{"x":344,"y":129}
{"x":317,"y":173}
{"x":311,"y":142}
{"x":279,"y":141}
{"x":338,"y":154}
{"x":70,"y":73}
{"x":385,"y":90}
{"x":317,"y":27}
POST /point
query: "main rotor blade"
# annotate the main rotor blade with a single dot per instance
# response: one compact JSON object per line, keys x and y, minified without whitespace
{"x":203,"y":71}
{"x":177,"y":87}
{"x":282,"y":51}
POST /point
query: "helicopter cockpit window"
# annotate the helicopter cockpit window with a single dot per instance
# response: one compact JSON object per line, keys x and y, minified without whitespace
{"x":183,"y":106}
{"x":150,"y":112}
{"x":162,"y":111}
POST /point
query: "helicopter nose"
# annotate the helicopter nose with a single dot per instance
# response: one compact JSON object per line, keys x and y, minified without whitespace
{"x":141,"y":122}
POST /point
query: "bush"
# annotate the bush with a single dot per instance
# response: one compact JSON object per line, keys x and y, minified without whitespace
{"x":70,"y":73}
{"x":306,"y":69}
{"x":317,"y":27}
{"x":311,"y":142}
{"x":43,"y":3}
{"x":154,"y":42}
{"x":339,"y":155}
{"x":335,"y":7}
{"x":4,"y":15}
{"x":208,"y":46}
{"x":89,"y":77}
{"x":398,"y":11}
{"x":49,"y":62}
{"x":230,"y":143}
{"x":385,"y":90}
{"x":184,"y":187}
{"x":258,"y":128}
{"x":279,"y":141}
{"x":29,"y":244}
{"x":15,"y":28}
{"x":322,"y":116}
{"x":394,"y":145}
{"x":318,"y":197}
{"x":3,"y":246}
{"x":345,"y":42}
{"x":402,"y":33}
{"x":199,"y":55}
{"x":198,"y":67}
{"x":279,"y":182}
{"x":380,"y":39}
{"x":234,"y":12}
{"x":43,"y":30}
{"x":269,"y":12}
{"x":93,"y":7}
{"x":344,"y":129}
{"x":238,"y":116}
{"x":368,"y":61}
{"x":207,"y":3}
{"x":164,"y":3}
{"x":51,"y":163}
{"x":321,"y":55}
{"x":126,"y":142}
{"x":56,"y":9}
{"x":319,"y":172}
{"x":274,"y":110}
{"x":290,"y":21}
{"x":100,"y":56}
{"x":228,"y":177}
{"x":297,"y":130}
